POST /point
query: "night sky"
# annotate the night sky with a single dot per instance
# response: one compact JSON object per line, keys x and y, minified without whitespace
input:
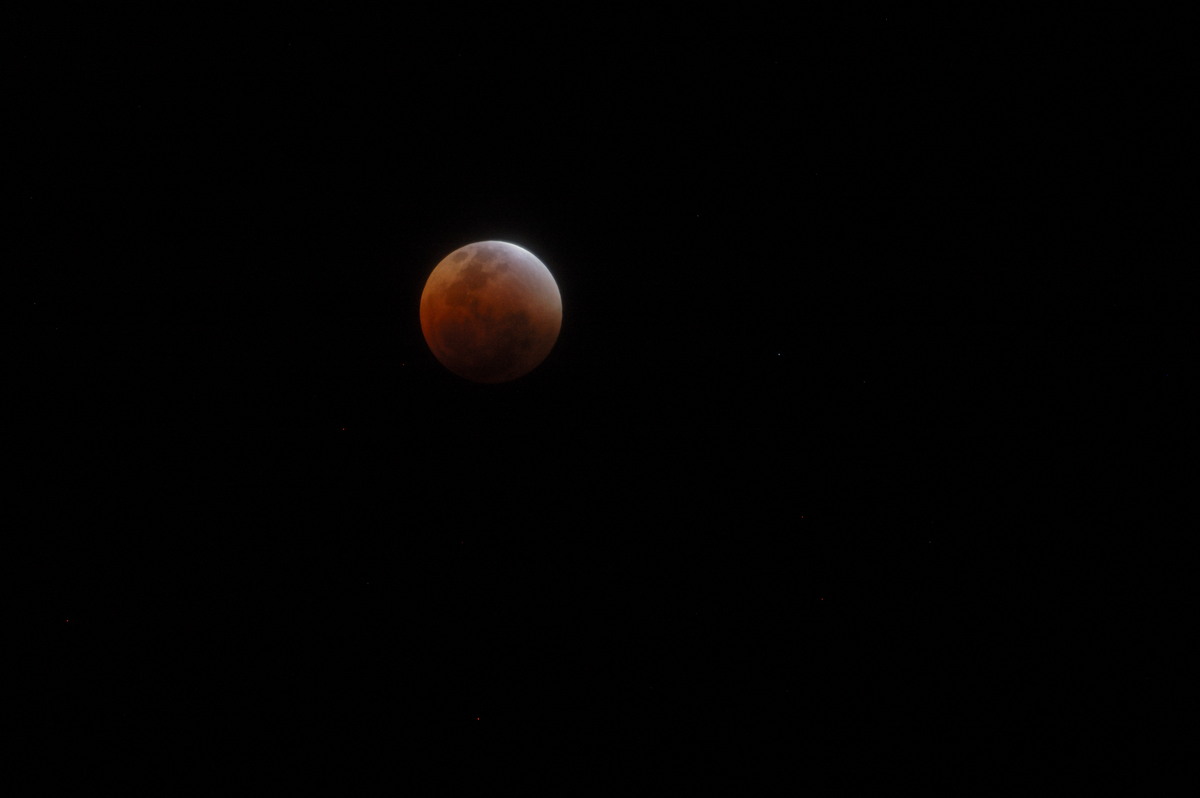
{"x":810,"y":270}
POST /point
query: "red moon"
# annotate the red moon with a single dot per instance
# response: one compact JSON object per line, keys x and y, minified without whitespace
{"x":491,"y":311}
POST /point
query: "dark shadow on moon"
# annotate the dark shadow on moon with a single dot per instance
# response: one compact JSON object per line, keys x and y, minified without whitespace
{"x":509,"y":340}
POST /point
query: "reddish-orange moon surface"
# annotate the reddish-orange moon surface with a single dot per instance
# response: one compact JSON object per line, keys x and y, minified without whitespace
{"x":491,"y":311}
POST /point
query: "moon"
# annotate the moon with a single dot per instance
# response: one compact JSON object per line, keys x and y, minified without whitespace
{"x":491,"y":311}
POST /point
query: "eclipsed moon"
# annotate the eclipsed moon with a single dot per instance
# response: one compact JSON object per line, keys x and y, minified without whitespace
{"x":491,"y":311}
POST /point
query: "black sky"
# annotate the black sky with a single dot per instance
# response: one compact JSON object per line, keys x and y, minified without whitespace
{"x":810,"y":269}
